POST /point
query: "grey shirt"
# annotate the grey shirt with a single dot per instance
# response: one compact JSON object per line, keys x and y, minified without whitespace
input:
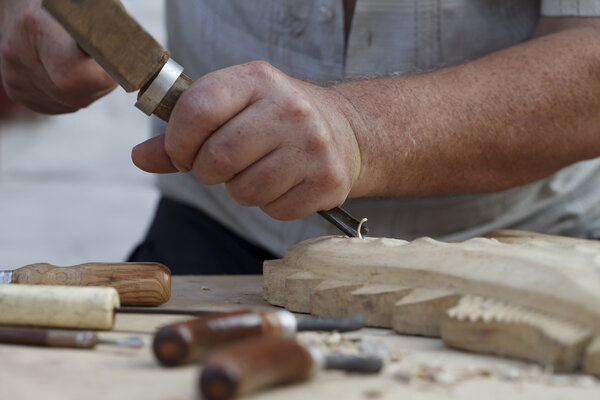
{"x":305,"y":39}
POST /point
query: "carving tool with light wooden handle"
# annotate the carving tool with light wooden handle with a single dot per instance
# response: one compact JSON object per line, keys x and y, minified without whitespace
{"x":188,"y":341}
{"x":138,"y":284}
{"x":250,"y":365}
{"x":137,"y":61}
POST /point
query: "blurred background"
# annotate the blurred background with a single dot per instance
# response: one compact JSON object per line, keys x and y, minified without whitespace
{"x":69,"y":192}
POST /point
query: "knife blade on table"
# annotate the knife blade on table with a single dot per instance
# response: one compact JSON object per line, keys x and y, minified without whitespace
{"x":106,"y":31}
{"x":138,"y":284}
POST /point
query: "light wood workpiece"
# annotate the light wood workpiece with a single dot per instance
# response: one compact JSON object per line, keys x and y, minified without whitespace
{"x":418,"y":367}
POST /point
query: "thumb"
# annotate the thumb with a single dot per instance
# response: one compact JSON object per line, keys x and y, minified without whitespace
{"x":150,"y":156}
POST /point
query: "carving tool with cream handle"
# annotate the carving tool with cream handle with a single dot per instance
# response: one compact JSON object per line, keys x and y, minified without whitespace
{"x":90,"y":307}
{"x":106,"y":31}
{"x":96,"y":308}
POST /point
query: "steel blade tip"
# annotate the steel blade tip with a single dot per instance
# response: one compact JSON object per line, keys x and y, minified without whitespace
{"x":127,"y":342}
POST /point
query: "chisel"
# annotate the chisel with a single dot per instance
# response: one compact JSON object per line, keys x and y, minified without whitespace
{"x":62,"y":338}
{"x":96,"y":307}
{"x":77,"y":307}
{"x":138,"y":284}
{"x":106,"y":31}
{"x":250,"y":365}
{"x":188,"y":341}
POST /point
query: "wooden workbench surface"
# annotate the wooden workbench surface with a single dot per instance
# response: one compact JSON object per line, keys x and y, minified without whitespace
{"x":417,"y":368}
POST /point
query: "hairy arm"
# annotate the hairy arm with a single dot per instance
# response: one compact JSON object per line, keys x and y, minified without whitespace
{"x":293,"y":148}
{"x":504,"y":120}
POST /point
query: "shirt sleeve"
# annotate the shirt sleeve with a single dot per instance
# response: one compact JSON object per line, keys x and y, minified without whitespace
{"x":576,"y":8}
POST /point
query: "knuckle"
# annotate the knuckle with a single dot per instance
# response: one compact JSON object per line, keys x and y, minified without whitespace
{"x":207,"y":85}
{"x":10,"y":52}
{"x":298,"y":109}
{"x":316,"y":141}
{"x":217,"y":158}
{"x":65,"y":80}
{"x":30,"y":21}
{"x":197,"y":103}
{"x":244,"y":193}
{"x":260,"y":69}
{"x":332,"y":177}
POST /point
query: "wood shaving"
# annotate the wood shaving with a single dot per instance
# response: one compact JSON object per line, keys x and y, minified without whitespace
{"x":422,"y":375}
{"x":373,"y":394}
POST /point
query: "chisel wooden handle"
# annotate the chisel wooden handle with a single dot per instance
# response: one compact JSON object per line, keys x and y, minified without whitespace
{"x":188,"y":341}
{"x":164,"y":108}
{"x":253,"y":364}
{"x":49,"y":337}
{"x":147,"y":284}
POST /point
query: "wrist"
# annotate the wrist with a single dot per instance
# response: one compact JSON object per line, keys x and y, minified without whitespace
{"x":348,"y":123}
{"x":356,"y":123}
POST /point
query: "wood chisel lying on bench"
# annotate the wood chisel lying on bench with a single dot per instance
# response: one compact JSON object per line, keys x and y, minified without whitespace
{"x":136,"y":61}
{"x":138,"y":284}
{"x":67,"y":306}
{"x":258,"y":363}
{"x":62,"y":338}
{"x":96,"y":308}
{"x":188,"y":341}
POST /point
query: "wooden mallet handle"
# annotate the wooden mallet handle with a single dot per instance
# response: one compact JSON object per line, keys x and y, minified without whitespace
{"x":254,"y":364}
{"x":188,"y":341}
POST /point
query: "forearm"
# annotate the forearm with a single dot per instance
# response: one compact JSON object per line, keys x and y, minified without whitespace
{"x":507,"y":119}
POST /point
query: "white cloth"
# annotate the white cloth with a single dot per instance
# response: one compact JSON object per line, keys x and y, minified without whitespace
{"x":306,"y":39}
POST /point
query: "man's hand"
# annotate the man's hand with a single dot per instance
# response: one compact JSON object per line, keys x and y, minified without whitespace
{"x":41,"y":65}
{"x":276,"y":142}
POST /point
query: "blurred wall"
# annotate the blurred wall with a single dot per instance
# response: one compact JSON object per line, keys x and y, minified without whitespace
{"x":68,"y":190}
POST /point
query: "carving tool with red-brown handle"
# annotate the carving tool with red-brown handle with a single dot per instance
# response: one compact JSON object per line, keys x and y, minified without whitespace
{"x":250,"y":365}
{"x":188,"y":341}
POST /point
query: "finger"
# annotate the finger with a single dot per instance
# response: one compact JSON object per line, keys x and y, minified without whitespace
{"x":150,"y":156}
{"x":246,"y":138}
{"x":300,"y":201}
{"x":323,"y":188}
{"x":266,"y":180}
{"x":293,"y":204}
{"x":208,"y":104}
{"x":26,"y":93}
{"x":30,"y":47}
{"x":74,"y":78}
